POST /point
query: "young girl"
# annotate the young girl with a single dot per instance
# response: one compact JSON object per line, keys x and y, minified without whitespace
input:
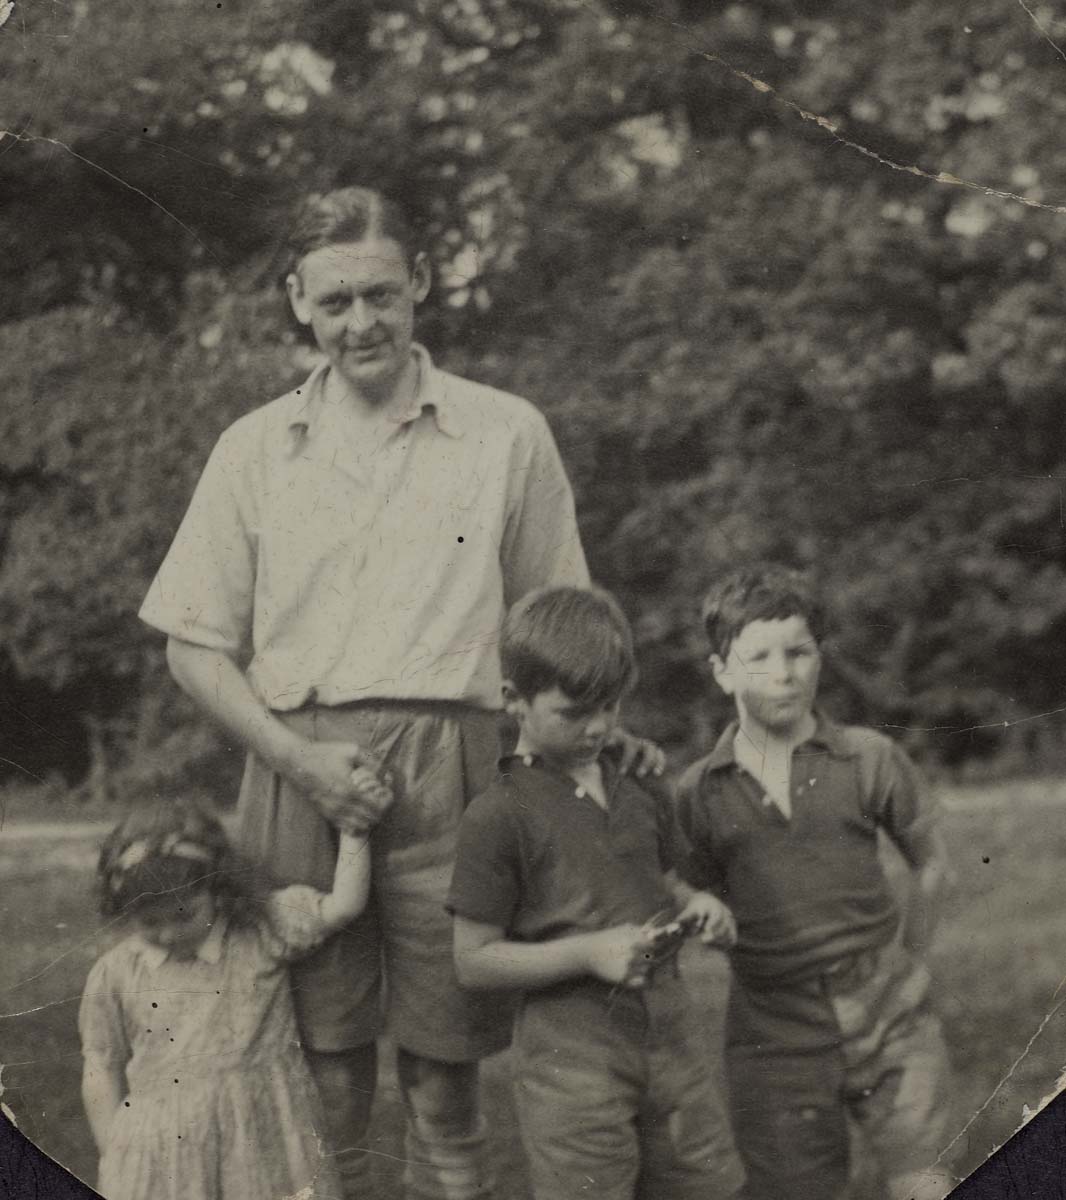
{"x":194,"y":1082}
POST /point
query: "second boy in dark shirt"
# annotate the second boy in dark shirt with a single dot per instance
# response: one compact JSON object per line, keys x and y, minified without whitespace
{"x":564,"y":867}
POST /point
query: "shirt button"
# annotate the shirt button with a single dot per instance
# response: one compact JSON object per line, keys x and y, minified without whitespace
{"x":581,"y":793}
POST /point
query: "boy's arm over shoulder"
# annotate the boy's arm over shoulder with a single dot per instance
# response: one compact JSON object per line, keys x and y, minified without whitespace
{"x":699,"y":864}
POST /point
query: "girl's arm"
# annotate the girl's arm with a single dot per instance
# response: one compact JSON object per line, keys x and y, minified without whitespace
{"x":302,"y":916}
{"x":103,"y":1087}
{"x":351,"y":874}
{"x":485,"y":958}
{"x":351,"y":882}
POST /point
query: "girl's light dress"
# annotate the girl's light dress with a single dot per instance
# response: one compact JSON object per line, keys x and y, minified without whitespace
{"x":221,"y":1104}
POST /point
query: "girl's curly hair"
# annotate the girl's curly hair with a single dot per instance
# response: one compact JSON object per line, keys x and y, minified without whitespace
{"x":172,"y":845}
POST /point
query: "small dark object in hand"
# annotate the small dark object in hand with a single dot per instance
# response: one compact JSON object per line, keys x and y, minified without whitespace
{"x":666,"y":940}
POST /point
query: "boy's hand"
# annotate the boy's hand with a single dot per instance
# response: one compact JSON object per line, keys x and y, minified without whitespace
{"x":640,"y":757}
{"x":714,"y":922}
{"x":616,"y":955}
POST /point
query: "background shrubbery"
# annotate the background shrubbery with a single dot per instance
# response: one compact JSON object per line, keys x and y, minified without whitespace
{"x":750,"y":339}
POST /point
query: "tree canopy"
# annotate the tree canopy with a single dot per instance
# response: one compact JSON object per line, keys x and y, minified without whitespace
{"x":785,"y":277}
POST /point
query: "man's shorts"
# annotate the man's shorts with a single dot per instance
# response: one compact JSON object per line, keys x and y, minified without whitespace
{"x":391,"y":970}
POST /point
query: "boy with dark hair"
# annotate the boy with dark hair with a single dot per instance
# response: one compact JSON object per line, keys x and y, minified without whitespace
{"x":563,"y":881}
{"x":828,"y":1015}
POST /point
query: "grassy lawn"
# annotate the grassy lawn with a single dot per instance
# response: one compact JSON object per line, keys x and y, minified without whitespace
{"x":1000,"y":961}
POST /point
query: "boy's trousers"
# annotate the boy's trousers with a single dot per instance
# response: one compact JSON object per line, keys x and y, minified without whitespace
{"x":614,"y":1096}
{"x":888,"y":1072}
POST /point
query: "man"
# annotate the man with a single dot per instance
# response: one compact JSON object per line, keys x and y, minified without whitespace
{"x":333,"y":597}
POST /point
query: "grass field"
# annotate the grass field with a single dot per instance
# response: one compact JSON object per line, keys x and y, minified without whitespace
{"x":1000,"y":961}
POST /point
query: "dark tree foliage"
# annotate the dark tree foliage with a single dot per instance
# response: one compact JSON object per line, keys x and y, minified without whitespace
{"x":752,"y":338}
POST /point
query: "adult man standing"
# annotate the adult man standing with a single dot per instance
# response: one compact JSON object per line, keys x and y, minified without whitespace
{"x":333,"y":596}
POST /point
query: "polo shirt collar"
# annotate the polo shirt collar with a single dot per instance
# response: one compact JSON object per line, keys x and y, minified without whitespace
{"x":209,"y":951}
{"x":827,"y":734}
{"x":432,"y":395}
{"x":608,"y":760}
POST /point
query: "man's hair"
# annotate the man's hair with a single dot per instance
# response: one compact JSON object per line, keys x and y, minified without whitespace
{"x":763,"y":592}
{"x":349,"y":215}
{"x":575,"y":639}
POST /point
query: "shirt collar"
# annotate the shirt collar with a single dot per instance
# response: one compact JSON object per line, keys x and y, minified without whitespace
{"x":608,"y":760}
{"x":827,"y":734}
{"x":432,"y":394}
{"x":209,"y":951}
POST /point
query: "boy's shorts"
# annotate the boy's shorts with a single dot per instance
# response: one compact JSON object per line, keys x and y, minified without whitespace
{"x":440,"y":756}
{"x":615,"y":1096}
{"x":888,"y":1073}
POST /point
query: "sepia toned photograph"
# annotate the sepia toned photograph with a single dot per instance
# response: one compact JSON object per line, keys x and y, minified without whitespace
{"x":532,"y":596}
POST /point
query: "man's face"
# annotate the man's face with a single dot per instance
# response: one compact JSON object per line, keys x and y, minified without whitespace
{"x":772,"y":673}
{"x":359,"y":300}
{"x":566,"y":734}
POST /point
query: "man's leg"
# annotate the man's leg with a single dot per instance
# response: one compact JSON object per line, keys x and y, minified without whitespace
{"x":446,"y":1148}
{"x":438,"y":758}
{"x":346,"y":1080}
{"x":336,"y":990}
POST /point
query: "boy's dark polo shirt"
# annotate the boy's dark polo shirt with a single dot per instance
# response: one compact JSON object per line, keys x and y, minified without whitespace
{"x":538,"y":857}
{"x":809,"y":891}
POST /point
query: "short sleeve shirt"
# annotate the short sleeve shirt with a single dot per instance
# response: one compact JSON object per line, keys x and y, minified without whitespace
{"x":540,"y":858}
{"x":809,"y":890}
{"x":339,"y":576}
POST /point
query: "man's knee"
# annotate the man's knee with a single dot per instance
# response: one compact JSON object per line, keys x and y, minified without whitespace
{"x":445,"y":1143}
{"x":346,"y":1080}
{"x":441,"y":1095}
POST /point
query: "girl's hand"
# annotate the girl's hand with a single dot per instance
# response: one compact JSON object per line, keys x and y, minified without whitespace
{"x":375,"y":796}
{"x":294,"y":914}
{"x":715,"y":923}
